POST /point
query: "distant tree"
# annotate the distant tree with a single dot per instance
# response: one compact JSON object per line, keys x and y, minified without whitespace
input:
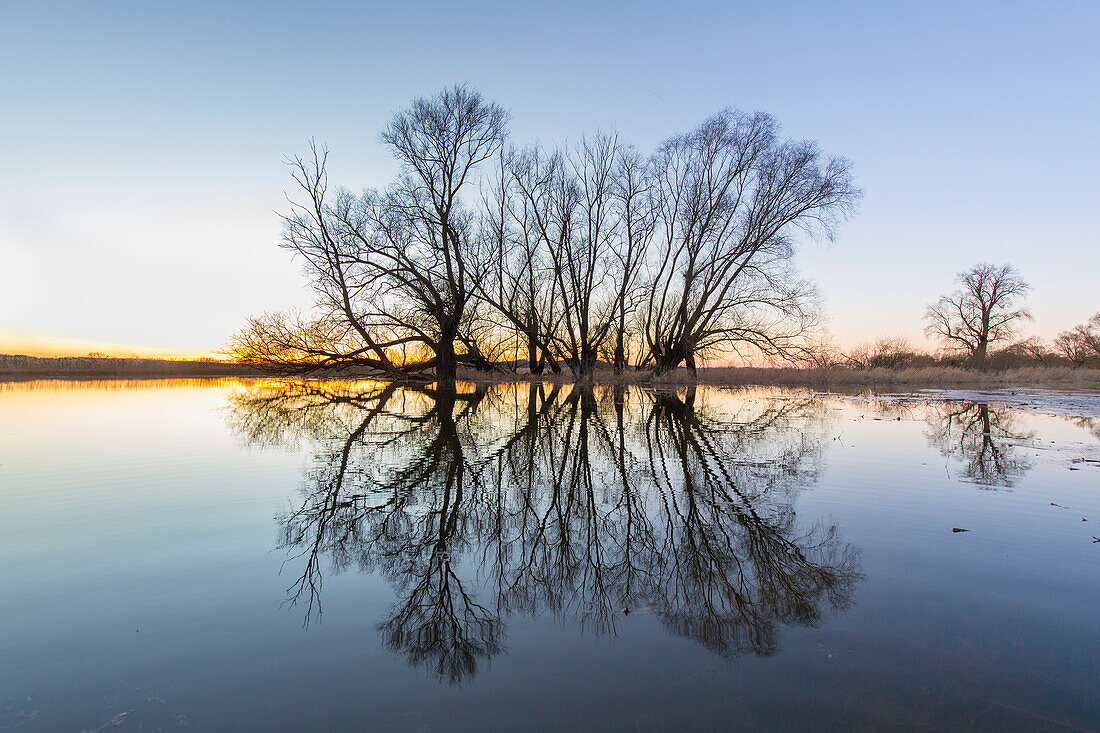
{"x":1069,"y":345}
{"x":888,"y":352}
{"x":821,"y":351}
{"x":986,"y":309}
{"x":1091,"y":335}
{"x":1033,"y":348}
{"x":1081,"y":344}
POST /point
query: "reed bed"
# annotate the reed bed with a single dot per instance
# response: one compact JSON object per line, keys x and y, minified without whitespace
{"x":933,"y":376}
{"x":1054,"y":377}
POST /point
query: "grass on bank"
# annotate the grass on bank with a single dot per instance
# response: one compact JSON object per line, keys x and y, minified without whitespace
{"x":1057,"y":377}
{"x":19,"y":366}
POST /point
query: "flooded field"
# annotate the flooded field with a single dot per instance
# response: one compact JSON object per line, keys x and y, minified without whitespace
{"x":267,"y":555}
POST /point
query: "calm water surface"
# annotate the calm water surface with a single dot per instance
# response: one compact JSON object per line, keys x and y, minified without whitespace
{"x":229,"y":555}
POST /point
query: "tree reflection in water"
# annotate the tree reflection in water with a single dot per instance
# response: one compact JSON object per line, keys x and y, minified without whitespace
{"x":1090,"y":424}
{"x":986,"y":440}
{"x":586,"y":503}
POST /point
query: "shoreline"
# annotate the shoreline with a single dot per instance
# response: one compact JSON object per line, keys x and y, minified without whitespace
{"x":931,"y":378}
{"x":22,"y":368}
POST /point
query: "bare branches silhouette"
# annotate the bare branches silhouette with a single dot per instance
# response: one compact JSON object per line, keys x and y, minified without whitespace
{"x":569,"y":256}
{"x":986,"y":309}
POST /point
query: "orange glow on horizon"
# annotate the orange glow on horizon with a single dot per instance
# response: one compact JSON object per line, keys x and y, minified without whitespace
{"x":59,"y":346}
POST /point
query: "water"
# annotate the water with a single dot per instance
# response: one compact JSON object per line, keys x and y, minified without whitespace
{"x":287,"y":556}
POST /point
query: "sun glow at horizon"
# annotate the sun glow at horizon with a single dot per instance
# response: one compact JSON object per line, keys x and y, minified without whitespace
{"x":50,"y":346}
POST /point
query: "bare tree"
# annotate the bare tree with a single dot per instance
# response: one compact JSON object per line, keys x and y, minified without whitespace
{"x":566,"y":240}
{"x":1081,"y":344}
{"x":986,"y":309}
{"x":732,"y":196}
{"x":513,"y":274}
{"x":570,"y":196}
{"x":889,"y":352}
{"x":820,"y":351}
{"x":1031,"y":349}
{"x":584,"y":264}
{"x":637,"y":211}
{"x":440,"y":143}
{"x":391,"y":268}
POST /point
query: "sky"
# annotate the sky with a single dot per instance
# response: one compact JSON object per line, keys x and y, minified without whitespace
{"x":144,"y":144}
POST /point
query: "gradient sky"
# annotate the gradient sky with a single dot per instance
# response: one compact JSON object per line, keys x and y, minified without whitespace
{"x":144,"y":142}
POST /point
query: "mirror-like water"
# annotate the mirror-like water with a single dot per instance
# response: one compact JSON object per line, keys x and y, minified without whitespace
{"x":312,"y":555}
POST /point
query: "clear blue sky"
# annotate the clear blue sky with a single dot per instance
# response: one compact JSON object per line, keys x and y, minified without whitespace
{"x":143,"y":143}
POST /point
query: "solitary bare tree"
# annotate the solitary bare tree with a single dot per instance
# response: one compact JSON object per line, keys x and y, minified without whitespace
{"x":987,"y":308}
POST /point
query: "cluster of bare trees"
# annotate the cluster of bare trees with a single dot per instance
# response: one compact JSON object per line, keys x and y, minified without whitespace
{"x":486,"y":253}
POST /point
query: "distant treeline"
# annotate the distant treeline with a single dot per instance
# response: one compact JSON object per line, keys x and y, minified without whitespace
{"x":1077,"y":348}
{"x":21,"y":365}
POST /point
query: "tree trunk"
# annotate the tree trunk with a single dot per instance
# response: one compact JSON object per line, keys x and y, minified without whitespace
{"x":671,"y":357}
{"x":584,"y":364}
{"x":980,"y":355}
{"x":668,"y":360}
{"x":446,"y":365}
{"x":620,"y":352}
{"x":534,"y":359}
